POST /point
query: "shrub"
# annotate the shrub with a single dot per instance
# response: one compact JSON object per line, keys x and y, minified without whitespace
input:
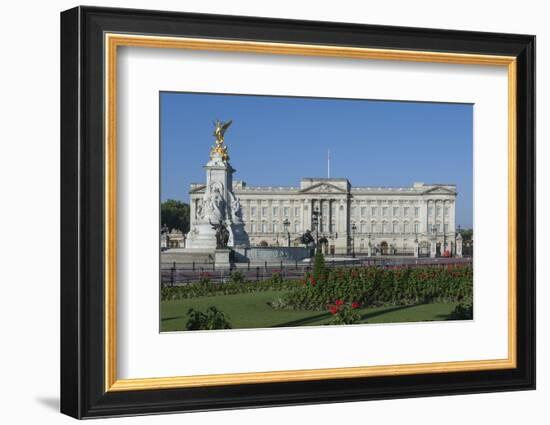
{"x":463,"y":311}
{"x":204,"y":281}
{"x":237,"y":277}
{"x":212,"y":319}
{"x":276,"y":278}
{"x":206,"y":287}
{"x":278,"y":303}
{"x":319,"y":268}
{"x":344,"y":313}
{"x":382,"y":287}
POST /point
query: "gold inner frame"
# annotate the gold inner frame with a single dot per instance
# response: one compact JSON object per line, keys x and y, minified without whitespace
{"x":113,"y":41}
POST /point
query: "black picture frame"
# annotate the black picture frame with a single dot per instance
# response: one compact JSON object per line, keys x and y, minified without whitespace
{"x":83,"y":392}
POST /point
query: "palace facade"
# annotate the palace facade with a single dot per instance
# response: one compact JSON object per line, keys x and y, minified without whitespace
{"x":344,"y":218}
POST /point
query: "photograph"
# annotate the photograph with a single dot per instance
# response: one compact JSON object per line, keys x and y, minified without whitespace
{"x":284,"y":211}
{"x":289,"y":210}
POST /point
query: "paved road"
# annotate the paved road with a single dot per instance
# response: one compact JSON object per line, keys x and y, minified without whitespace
{"x":188,"y":273}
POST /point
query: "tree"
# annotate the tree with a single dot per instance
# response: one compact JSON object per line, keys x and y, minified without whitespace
{"x":467,"y":234}
{"x":175,"y":214}
{"x":318,"y":266}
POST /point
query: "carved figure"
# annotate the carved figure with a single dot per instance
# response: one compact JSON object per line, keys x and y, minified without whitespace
{"x":220,"y":149}
{"x":222,"y":234}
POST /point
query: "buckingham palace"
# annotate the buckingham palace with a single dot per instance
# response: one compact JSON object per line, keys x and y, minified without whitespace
{"x":346,"y":218}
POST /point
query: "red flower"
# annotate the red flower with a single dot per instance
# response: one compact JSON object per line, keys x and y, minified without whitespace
{"x":355,"y":304}
{"x":338,"y":302}
{"x":312,"y":280}
{"x":333,"y":309}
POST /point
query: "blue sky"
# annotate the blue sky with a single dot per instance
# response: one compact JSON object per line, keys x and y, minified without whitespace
{"x":275,"y":141}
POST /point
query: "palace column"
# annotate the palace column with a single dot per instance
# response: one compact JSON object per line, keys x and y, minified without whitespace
{"x":304,"y":220}
{"x":330,"y":216}
{"x":311,"y":208}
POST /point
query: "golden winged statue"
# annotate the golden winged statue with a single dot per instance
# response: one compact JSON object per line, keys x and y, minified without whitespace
{"x":220,"y":128}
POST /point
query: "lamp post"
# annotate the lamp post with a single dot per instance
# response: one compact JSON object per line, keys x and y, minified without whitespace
{"x":286,"y":223}
{"x":369,"y":246}
{"x":353,"y":229}
{"x":315,"y":222}
{"x":434,"y":239}
{"x":444,"y":240}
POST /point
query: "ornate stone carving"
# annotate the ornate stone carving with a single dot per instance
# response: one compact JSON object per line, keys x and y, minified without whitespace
{"x":236,"y":209}
{"x":219,"y":212}
{"x":222,"y":234}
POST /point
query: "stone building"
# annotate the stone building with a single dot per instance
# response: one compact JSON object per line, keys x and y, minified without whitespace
{"x":346,"y":219}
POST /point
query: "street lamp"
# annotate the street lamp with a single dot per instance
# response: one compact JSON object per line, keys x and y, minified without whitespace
{"x":369,"y":245}
{"x":315,"y":222}
{"x":353,"y":229}
{"x":434,"y":236}
{"x":286,"y":223}
{"x":444,"y":240}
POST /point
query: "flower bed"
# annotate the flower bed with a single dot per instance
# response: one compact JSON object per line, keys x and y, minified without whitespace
{"x":236,"y":285}
{"x":377,"y":287}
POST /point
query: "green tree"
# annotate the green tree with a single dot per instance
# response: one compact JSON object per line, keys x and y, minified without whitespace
{"x":318,"y":265}
{"x":467,"y":234}
{"x":175,"y":214}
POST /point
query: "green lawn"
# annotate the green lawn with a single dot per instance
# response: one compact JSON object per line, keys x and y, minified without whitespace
{"x":250,"y":310}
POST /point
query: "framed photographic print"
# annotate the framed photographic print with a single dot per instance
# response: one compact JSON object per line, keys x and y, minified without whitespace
{"x":261,"y":212}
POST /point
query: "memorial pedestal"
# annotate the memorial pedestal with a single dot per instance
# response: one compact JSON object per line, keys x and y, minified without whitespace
{"x":222,"y":258}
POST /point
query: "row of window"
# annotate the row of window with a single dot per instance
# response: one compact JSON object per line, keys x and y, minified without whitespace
{"x":397,"y":227}
{"x":385,"y":227}
{"x":273,"y":228}
{"x":275,"y":211}
{"x":385,"y":211}
{"x":362,"y":228}
{"x":438,"y":211}
{"x":374,"y":211}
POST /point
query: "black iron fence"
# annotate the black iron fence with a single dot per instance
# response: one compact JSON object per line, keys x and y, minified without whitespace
{"x":186,"y":273}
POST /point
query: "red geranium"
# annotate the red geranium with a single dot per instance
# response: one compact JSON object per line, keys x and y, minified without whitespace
{"x":355,"y":304}
{"x":339,"y":302}
{"x":333,"y":309}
